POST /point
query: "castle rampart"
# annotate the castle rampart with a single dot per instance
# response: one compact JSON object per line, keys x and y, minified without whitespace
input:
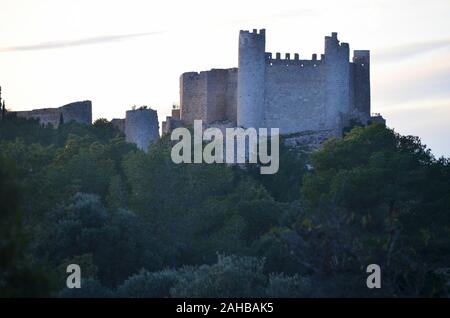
{"x":210,"y":96}
{"x":80,"y":112}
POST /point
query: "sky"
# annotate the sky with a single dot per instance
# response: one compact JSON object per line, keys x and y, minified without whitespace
{"x":120,"y":53}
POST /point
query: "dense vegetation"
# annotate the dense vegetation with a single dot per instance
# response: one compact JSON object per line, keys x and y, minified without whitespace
{"x":141,"y":226}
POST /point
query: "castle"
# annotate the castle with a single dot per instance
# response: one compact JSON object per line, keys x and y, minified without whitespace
{"x":308,"y":100}
{"x":317,"y":97}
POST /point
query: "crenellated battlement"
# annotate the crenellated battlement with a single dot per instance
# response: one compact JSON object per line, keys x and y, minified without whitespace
{"x":253,"y":38}
{"x":361,"y":57}
{"x":287,"y":60}
{"x":261,"y":32}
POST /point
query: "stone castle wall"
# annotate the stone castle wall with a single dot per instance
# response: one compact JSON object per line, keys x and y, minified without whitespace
{"x":295,"y":98}
{"x":140,"y":126}
{"x":46,"y":116}
{"x":209,"y":96}
{"x":193,"y":96}
{"x":80,"y":112}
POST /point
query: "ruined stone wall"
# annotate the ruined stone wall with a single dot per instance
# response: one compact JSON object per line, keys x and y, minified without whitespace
{"x":216,"y":88}
{"x":80,"y":112}
{"x":221,"y":95}
{"x":46,"y":116}
{"x":173,"y":121}
{"x":231,"y":95}
{"x":193,"y":87}
{"x":141,"y":127}
{"x":170,"y":124}
{"x":175,"y":113}
{"x":209,"y":96}
{"x":119,"y":124}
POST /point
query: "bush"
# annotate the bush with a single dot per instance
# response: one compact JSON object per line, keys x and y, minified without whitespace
{"x":148,"y":285}
{"x":90,"y":288}
{"x":282,"y":286}
{"x":230,"y":277}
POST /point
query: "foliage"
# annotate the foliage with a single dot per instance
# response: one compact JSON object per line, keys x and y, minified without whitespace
{"x":18,"y":276}
{"x":141,"y":226}
{"x":378,"y":197}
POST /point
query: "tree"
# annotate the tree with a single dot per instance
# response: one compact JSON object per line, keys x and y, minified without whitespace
{"x":149,"y":284}
{"x":231,"y":276}
{"x":19,"y":275}
{"x":378,"y":197}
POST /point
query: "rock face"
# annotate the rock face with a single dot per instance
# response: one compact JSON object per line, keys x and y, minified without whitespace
{"x":289,"y":93}
{"x":141,"y":127}
{"x":80,"y":112}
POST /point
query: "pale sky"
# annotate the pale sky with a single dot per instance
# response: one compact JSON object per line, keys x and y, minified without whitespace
{"x":118,"y":53}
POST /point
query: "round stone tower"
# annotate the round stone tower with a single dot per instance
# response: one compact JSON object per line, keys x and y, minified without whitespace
{"x":251,"y":79}
{"x":141,"y":127}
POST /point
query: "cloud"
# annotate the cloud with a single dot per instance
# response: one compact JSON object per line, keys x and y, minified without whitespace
{"x":410,"y":50}
{"x":77,"y":42}
{"x":427,"y":118}
{"x":415,"y":80}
